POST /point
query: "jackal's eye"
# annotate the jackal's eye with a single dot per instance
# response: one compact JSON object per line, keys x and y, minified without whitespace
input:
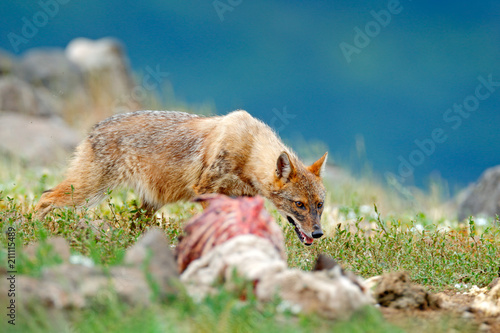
{"x":320,"y":205}
{"x":300,"y":204}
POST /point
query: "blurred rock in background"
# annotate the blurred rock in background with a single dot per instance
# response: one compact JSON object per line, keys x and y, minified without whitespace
{"x":482,"y":198}
{"x":20,"y":97}
{"x":50,"y":97}
{"x":103,"y":64}
{"x":35,"y":140}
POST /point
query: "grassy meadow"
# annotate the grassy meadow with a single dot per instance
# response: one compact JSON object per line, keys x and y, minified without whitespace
{"x":369,"y":230}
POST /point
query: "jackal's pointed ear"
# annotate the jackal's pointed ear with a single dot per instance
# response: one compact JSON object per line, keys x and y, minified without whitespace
{"x":318,"y":167}
{"x":285,"y":169}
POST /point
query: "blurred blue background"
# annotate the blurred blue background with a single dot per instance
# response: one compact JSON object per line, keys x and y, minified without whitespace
{"x":367,"y":95}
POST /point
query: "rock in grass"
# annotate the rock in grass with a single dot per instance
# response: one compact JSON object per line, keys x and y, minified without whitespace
{"x":153,"y":255}
{"x":151,"y":272}
{"x":58,"y":246}
{"x":395,"y":290}
{"x":68,"y":286}
{"x":131,"y":285}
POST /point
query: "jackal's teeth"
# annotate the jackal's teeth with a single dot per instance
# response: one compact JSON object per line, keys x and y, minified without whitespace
{"x":300,"y":234}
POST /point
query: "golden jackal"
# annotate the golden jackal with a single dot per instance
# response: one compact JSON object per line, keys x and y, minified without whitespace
{"x":169,"y":156}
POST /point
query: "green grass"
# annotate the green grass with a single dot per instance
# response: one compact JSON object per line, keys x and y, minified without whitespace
{"x":223,"y":312}
{"x":435,"y":255}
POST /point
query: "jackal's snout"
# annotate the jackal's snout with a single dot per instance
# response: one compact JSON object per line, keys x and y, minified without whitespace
{"x":317,"y":232}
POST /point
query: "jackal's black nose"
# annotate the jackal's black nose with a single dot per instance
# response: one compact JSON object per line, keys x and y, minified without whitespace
{"x":317,"y":233}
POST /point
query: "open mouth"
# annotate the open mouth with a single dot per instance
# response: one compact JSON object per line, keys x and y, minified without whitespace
{"x":302,"y":236}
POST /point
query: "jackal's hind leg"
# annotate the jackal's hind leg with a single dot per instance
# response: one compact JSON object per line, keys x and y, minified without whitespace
{"x":86,"y":183}
{"x":68,"y":194}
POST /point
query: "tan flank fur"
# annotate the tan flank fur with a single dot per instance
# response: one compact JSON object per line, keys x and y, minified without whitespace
{"x":169,"y":156}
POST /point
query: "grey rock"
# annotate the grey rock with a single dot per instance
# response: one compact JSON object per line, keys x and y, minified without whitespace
{"x":131,"y":285}
{"x":61,"y":287}
{"x":104,"y":64}
{"x":51,"y":69}
{"x":35,"y":140}
{"x":74,"y":286}
{"x":58,"y":246}
{"x":71,"y":286}
{"x":18,"y":96}
{"x":153,"y":248}
{"x":484,"y":196}
{"x":395,"y":290}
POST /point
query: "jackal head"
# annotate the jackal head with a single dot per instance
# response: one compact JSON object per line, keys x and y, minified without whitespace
{"x":299,"y":195}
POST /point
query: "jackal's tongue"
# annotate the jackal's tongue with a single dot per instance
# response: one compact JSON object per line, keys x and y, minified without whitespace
{"x":307,"y":240}
{"x":300,"y":234}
